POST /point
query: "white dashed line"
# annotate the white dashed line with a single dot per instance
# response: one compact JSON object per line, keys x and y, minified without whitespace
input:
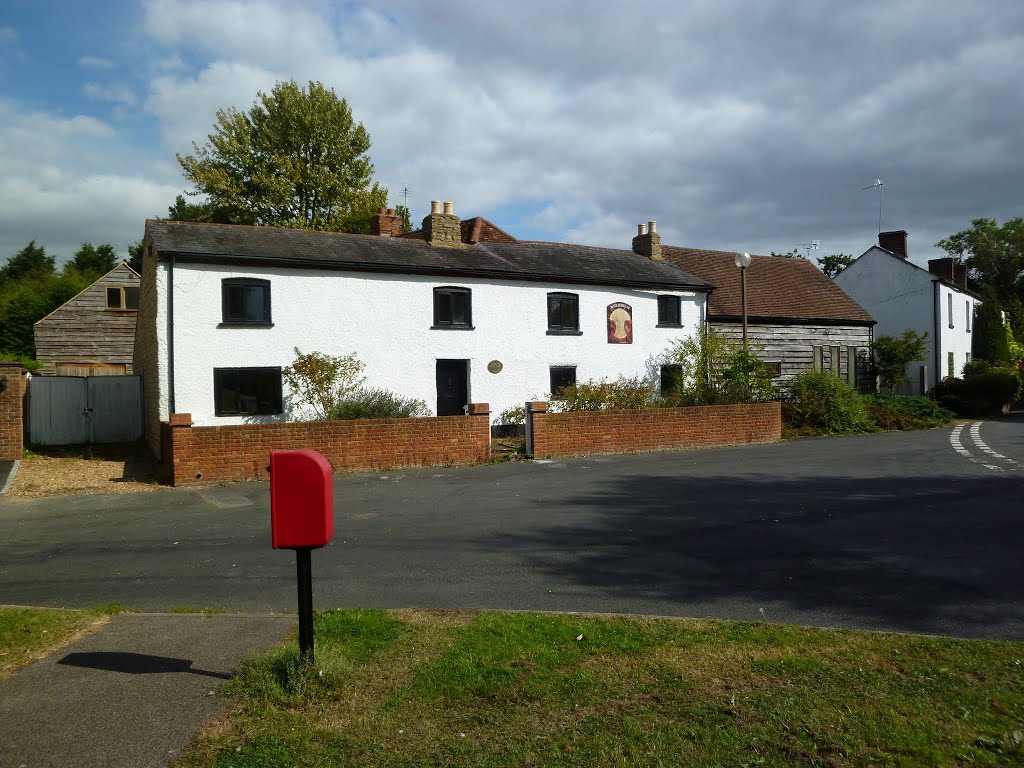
{"x":975,"y":433}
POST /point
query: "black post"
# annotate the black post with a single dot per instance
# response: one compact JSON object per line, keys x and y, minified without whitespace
{"x":304,"y":574}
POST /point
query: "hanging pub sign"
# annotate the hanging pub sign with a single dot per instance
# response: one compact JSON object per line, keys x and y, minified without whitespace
{"x":620,"y":323}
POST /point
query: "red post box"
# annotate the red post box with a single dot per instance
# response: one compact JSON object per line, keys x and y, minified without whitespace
{"x":301,"y":500}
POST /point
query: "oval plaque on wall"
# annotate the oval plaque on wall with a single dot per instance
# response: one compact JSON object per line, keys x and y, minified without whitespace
{"x":495,"y":366}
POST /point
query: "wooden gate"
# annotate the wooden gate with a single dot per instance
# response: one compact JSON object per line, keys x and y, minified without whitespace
{"x":71,"y":410}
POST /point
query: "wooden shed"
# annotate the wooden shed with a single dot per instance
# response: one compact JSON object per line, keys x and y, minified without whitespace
{"x":92,"y":334}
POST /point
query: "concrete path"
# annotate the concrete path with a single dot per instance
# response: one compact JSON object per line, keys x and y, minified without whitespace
{"x":133,"y":694}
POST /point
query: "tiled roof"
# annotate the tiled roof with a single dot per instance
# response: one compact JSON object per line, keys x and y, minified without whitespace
{"x":553,"y":262}
{"x":777,"y":288}
{"x":475,"y":230}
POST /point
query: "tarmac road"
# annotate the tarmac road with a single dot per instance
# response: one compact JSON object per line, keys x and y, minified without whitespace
{"x":918,"y":532}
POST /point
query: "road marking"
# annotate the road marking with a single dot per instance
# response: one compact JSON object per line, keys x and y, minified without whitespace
{"x":976,"y":437}
{"x":975,"y":434}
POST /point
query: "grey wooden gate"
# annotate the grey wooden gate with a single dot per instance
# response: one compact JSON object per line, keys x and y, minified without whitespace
{"x":70,"y":410}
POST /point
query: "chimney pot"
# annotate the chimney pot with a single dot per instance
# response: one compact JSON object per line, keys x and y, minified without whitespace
{"x":382,"y":209}
{"x":652,"y":227}
{"x":391,"y":211}
{"x":435,"y":206}
{"x":894,"y":242}
{"x":449,"y":208}
{"x":641,"y":229}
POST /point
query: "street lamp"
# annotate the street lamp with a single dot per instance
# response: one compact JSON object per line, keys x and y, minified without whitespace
{"x":743,"y":261}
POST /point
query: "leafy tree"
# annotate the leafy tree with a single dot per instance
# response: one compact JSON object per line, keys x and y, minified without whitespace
{"x":995,"y":256}
{"x":402,"y":211}
{"x":29,"y":261}
{"x":794,"y":254}
{"x":135,"y":256}
{"x":94,"y":261}
{"x":715,"y":370}
{"x":893,"y":355}
{"x":30,"y":299}
{"x":295,"y":159}
{"x":835,"y":263}
{"x":989,"y":341}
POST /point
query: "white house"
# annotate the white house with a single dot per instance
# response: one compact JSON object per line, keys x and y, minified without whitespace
{"x":901,"y":296}
{"x":222,"y":309}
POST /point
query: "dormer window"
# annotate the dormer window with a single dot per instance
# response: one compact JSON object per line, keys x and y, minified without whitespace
{"x":124,"y":297}
{"x":245,"y":301}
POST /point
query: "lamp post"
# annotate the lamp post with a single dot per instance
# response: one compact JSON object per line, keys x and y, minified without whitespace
{"x":743,"y":261}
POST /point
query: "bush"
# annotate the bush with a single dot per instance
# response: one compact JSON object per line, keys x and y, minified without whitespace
{"x":893,"y":355}
{"x":902,"y":412}
{"x":621,"y":394}
{"x":980,"y":394}
{"x":514,"y":415}
{"x":26,"y":362}
{"x":820,"y":402}
{"x":715,"y":370}
{"x":377,"y":404}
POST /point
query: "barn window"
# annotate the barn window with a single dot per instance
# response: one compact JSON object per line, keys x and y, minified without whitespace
{"x":123,"y":297}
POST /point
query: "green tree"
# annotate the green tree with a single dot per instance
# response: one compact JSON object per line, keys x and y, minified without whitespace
{"x":30,"y":299}
{"x":323,"y":381}
{"x":794,"y":254}
{"x":715,"y":370}
{"x":296,"y":159}
{"x":29,"y":261}
{"x":135,"y":256}
{"x":402,"y":211}
{"x":989,"y":341}
{"x":893,"y":355}
{"x":835,"y":263}
{"x":995,"y":256}
{"x":94,"y":261}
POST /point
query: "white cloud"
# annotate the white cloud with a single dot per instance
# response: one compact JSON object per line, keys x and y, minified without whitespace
{"x":7,"y":35}
{"x":95,"y":62}
{"x":113,"y":92}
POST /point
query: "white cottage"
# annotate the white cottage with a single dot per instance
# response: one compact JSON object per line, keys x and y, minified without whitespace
{"x":222,"y":309}
{"x":901,"y":296}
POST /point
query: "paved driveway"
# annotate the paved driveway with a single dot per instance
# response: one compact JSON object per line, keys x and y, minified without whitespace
{"x":915,"y":532}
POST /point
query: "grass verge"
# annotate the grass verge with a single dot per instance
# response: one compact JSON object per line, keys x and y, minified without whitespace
{"x":28,"y":634}
{"x":493,"y":689}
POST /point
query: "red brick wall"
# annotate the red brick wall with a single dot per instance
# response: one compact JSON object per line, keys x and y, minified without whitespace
{"x":12,"y":430}
{"x":214,"y":454}
{"x":585,"y":433}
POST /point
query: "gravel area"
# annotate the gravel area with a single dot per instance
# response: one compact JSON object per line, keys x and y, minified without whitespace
{"x":86,"y":469}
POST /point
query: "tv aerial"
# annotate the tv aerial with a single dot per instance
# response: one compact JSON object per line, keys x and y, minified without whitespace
{"x":878,"y":183}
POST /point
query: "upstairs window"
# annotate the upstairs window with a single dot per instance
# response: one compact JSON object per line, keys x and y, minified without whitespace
{"x":968,"y":316}
{"x":562,"y":376}
{"x":563,"y":313}
{"x":668,"y":311}
{"x":126,"y":297}
{"x":453,"y":308}
{"x":950,"y":297}
{"x":246,"y":391}
{"x":245,"y":301}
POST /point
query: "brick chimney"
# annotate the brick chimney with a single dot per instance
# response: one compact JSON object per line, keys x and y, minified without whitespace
{"x":386,"y":223}
{"x":647,"y":241}
{"x":442,"y":229}
{"x":948,"y":269}
{"x":896,"y":242}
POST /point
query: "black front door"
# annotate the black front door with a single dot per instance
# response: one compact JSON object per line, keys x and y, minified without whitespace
{"x":452,"y":387}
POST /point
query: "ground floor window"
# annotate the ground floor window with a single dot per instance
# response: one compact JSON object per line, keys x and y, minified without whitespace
{"x":562,"y":376}
{"x":671,"y":379}
{"x":246,"y":391}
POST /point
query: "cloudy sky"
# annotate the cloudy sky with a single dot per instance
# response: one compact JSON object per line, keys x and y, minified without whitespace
{"x":736,"y":125}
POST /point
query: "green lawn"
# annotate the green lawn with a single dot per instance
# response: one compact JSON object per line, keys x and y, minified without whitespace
{"x":27,"y":634}
{"x":492,"y":689}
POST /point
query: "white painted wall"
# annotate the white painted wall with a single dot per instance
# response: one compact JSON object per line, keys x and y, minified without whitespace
{"x":386,"y":320}
{"x":901,"y":296}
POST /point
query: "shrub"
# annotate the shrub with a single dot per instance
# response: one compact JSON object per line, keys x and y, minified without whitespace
{"x":980,"y":394}
{"x":902,"y":412}
{"x":621,"y":394}
{"x":893,"y":355}
{"x":514,"y":415}
{"x":718,"y":371}
{"x":821,"y":402}
{"x":377,"y":404}
{"x":323,"y":381}
{"x":26,"y":362}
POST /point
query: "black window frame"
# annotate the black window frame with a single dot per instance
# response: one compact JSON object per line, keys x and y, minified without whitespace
{"x":450,"y":324}
{"x":551,"y":379}
{"x":244,"y":282}
{"x":950,"y":297}
{"x":666,"y":305}
{"x":563,"y":299}
{"x":123,"y":292}
{"x":218,"y":384}
{"x":670,"y":383}
{"x":969,"y":313}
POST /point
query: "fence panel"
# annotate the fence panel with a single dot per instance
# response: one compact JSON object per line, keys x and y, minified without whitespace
{"x":58,"y":410}
{"x":115,"y":404}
